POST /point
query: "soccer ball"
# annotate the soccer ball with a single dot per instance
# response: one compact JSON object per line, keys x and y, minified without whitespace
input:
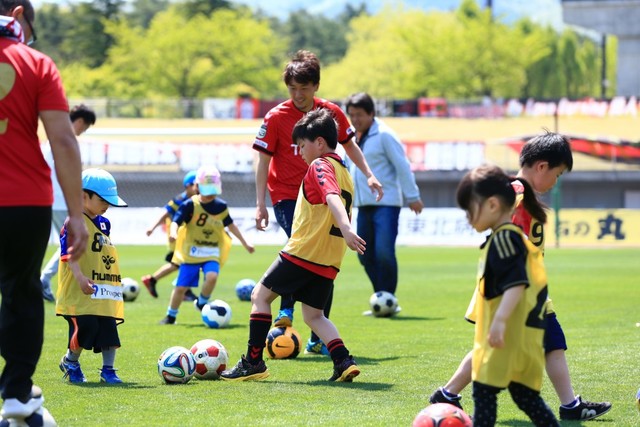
{"x":216,"y":314}
{"x":41,"y":417}
{"x":211,"y":359}
{"x":383,"y":304}
{"x":244,"y":289}
{"x":130,"y":289}
{"x":442,"y":415}
{"x":176,"y":365}
{"x":283,"y":343}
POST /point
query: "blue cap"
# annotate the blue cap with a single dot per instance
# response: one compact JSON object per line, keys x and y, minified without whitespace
{"x":189,"y":178}
{"x":103,"y":184}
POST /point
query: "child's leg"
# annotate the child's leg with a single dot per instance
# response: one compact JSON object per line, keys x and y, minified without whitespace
{"x":485,"y":401}
{"x":108,"y":357}
{"x":259,"y":321}
{"x":73,"y":355}
{"x":177,"y":295}
{"x":532,"y":404}
{"x":326,"y":330}
{"x":461,"y":378}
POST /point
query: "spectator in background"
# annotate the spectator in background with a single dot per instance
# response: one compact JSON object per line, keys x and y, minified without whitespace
{"x":31,"y":89}
{"x":378,"y":220}
{"x":82,"y":118}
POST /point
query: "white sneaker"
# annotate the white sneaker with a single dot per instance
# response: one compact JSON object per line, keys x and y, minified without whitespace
{"x":13,"y":408}
{"x":367,"y":313}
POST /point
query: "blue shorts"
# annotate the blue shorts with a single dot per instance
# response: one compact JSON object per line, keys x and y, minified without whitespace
{"x":189,"y":274}
{"x":553,"y":335}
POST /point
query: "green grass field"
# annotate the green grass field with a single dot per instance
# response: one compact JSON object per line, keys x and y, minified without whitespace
{"x":403,"y":359}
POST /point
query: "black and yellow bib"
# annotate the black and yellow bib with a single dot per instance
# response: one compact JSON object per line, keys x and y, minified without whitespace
{"x":100,"y":264}
{"x":203,"y":238}
{"x":316,"y":236}
{"x":522,"y":358}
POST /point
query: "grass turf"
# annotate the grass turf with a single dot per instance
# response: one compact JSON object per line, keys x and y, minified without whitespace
{"x":403,"y":359}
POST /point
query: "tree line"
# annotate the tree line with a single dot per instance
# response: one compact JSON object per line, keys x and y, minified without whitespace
{"x":195,"y":49}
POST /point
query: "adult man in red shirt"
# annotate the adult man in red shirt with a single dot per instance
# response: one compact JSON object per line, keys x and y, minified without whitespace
{"x":30,"y":88}
{"x":281,"y":169}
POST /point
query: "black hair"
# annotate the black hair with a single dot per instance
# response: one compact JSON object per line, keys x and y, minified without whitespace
{"x":317,"y":123}
{"x":361,"y":100}
{"x":303,"y":68}
{"x":6,"y":6}
{"x":490,"y":181}
{"x":82,"y":112}
{"x":549,"y":147}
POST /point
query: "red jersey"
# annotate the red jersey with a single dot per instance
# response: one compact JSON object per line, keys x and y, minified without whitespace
{"x":287,"y":169}
{"x":30,"y":83}
{"x":532,"y":228}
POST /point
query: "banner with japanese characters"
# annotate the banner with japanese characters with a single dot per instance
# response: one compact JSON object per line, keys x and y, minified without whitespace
{"x":594,"y":227}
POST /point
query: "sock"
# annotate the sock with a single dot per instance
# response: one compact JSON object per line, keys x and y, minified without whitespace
{"x":108,"y":356}
{"x":259,"y":325}
{"x":202,"y":300}
{"x":172,"y":313}
{"x":337,"y":350}
{"x":573,"y":404}
{"x":449,"y":395}
{"x":72,"y":357}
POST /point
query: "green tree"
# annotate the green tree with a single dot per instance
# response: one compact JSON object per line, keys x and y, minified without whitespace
{"x":143,"y":11}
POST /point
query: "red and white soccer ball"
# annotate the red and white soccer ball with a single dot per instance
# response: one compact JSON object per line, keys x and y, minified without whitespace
{"x":442,"y":415}
{"x":211,"y":359}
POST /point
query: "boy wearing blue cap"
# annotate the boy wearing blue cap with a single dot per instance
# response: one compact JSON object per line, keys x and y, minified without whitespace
{"x":150,"y":280}
{"x":90,"y":291}
{"x":198,"y":228}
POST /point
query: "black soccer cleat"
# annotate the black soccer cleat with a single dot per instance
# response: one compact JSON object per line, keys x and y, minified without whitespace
{"x":439,"y":397}
{"x":345,"y":371}
{"x":245,"y":371}
{"x":585,"y":410}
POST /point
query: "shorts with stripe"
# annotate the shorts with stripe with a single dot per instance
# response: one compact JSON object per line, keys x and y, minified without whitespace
{"x":92,"y":332}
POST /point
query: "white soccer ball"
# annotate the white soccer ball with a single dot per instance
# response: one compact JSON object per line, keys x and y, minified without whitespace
{"x":41,"y":417}
{"x":176,"y":365}
{"x":216,"y":314}
{"x":244,"y":288}
{"x":383,"y":304}
{"x":211,"y":359}
{"x":130,"y":289}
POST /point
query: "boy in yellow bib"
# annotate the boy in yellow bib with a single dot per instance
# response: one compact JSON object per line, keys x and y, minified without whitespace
{"x":90,"y":290}
{"x":198,"y":228}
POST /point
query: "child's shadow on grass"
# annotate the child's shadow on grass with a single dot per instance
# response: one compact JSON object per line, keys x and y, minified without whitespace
{"x":205,"y":328}
{"x":124,"y":385}
{"x":361,"y":360}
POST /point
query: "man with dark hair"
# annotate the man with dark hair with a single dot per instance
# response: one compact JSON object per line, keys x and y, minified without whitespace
{"x":280,"y":167}
{"x":31,"y":90}
{"x":82,"y":118}
{"x":378,"y":220}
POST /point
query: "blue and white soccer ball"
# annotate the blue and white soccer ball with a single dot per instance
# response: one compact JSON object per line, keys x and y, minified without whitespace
{"x":41,"y":417}
{"x":383,"y":304}
{"x":244,"y":288}
{"x":216,"y":314}
{"x":130,"y":289}
{"x":176,"y":365}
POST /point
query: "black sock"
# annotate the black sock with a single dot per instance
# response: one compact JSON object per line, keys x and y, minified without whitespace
{"x":153,"y":281}
{"x":337,"y":350}
{"x":259,"y":325}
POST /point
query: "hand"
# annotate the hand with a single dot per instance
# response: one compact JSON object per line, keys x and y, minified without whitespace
{"x":262,"y":218}
{"x":87,"y":286}
{"x":149,"y":231}
{"x":496,"y":333}
{"x":416,"y":206}
{"x":78,"y":237}
{"x":354,"y":242}
{"x":375,"y":187}
{"x":249,"y":247}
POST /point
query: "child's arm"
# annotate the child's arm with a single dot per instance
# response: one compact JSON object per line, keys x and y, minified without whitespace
{"x":173,"y":231}
{"x":161,"y":220}
{"x":355,"y":154}
{"x":354,"y":242}
{"x":510,"y":299}
{"x":236,"y":232}
{"x":86,"y":285}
